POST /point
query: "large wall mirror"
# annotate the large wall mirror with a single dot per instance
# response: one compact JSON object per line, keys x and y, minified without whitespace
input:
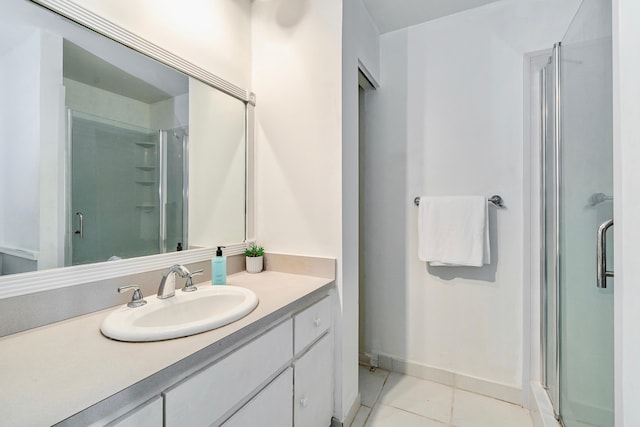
{"x":107,"y":154}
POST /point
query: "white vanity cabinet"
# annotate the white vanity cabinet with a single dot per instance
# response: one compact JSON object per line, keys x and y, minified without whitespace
{"x":313,"y":373}
{"x":271,"y":407}
{"x":281,"y":378}
{"x":273,"y":368}
{"x":148,"y":414}
{"x":313,"y":378}
{"x":311,"y":323}
{"x":209,"y":396}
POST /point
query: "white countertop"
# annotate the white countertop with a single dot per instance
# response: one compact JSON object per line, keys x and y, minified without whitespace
{"x":50,"y":373}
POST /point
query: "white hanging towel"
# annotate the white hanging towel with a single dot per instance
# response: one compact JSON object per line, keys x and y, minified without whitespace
{"x":453,"y":231}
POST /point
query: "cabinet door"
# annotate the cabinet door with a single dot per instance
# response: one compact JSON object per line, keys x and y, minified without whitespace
{"x":146,"y":415}
{"x":271,"y":407}
{"x":213,"y":393}
{"x":313,"y":401}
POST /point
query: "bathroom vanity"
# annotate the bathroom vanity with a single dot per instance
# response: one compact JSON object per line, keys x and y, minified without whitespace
{"x":272,"y":367}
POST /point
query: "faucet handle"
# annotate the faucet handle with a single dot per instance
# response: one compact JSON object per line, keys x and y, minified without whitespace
{"x":189,"y":286}
{"x":137,"y":300}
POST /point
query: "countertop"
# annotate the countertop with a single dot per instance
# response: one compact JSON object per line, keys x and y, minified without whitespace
{"x":50,"y":373}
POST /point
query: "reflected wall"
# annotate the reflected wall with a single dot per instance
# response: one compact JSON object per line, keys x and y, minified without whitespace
{"x":38,"y":227}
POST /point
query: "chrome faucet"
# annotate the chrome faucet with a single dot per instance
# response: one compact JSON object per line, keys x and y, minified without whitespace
{"x":189,"y":286}
{"x":171,"y":286}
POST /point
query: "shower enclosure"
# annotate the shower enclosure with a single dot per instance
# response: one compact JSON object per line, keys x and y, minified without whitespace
{"x":577,"y":211}
{"x":127,"y":190}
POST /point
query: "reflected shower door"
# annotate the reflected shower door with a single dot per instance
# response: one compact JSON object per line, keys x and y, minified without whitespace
{"x":175,"y":173}
{"x":114,"y":190}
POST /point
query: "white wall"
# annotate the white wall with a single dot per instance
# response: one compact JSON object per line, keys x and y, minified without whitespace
{"x":216,"y":167}
{"x":448,"y":120}
{"x":52,"y":155}
{"x":626,"y":108}
{"x":170,"y":113}
{"x":21,"y":159}
{"x":167,"y":114}
{"x":215,"y":35}
{"x":360,"y":49}
{"x":32,"y":210}
{"x":361,"y":44}
{"x":297,"y":78}
{"x":384,"y":202}
{"x":298,"y":120}
{"x":101,"y":103}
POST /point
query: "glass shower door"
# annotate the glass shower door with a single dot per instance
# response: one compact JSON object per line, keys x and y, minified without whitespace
{"x":115,"y":209}
{"x":549,"y":238}
{"x":175,"y":186}
{"x":585,"y":202}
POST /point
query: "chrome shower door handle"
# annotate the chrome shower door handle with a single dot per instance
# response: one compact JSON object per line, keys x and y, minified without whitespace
{"x":80,"y":231}
{"x":601,"y":254}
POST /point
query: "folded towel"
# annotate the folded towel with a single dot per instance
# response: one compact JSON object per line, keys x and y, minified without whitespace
{"x":453,"y":231}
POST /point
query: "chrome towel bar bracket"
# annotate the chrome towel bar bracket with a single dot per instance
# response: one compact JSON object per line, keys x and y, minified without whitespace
{"x":495,"y":200}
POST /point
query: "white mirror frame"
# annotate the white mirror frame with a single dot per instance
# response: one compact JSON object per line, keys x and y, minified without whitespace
{"x":38,"y":281}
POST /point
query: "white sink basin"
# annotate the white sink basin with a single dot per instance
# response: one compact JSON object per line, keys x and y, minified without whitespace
{"x":186,"y":313}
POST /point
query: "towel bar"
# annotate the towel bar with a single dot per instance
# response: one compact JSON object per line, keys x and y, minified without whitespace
{"x":495,"y":200}
{"x":597,"y":198}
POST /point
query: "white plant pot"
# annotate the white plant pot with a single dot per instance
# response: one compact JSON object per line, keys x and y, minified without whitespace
{"x":254,"y":264}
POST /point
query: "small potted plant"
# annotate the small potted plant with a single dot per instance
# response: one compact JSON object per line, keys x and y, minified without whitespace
{"x":254,"y":256}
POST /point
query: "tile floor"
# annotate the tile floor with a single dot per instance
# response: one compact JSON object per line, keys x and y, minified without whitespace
{"x":395,"y":400}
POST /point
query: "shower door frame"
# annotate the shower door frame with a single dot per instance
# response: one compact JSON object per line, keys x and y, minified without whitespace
{"x":163,"y":187}
{"x":533,"y":298}
{"x":545,"y":290}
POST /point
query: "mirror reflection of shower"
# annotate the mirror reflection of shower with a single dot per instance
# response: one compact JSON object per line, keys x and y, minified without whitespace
{"x":129,"y":183}
{"x":173,"y":189}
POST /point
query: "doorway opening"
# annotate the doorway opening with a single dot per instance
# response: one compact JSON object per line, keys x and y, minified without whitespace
{"x":365,"y":357}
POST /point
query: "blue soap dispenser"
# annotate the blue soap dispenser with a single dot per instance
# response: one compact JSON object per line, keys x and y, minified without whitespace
{"x":219,"y":268}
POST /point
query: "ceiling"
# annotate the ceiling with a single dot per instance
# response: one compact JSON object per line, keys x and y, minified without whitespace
{"x":390,"y":15}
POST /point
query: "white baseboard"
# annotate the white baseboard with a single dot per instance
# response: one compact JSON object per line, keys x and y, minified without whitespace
{"x":492,"y":389}
{"x":353,"y":411}
{"x":366,"y":359}
{"x":351,"y":414}
{"x":541,"y":409}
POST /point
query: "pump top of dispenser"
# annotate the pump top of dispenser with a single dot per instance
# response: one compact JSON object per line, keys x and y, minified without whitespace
{"x":219,"y":251}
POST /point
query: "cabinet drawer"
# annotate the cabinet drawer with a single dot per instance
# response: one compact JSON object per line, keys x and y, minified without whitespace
{"x":209,"y":394}
{"x":271,"y":407}
{"x":311,"y":323}
{"x":313,"y":378}
{"x":146,"y":415}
